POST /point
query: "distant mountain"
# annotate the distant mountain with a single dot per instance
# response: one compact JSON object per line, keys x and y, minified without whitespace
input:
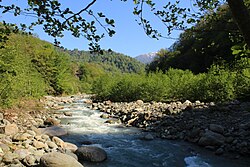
{"x":146,"y":58}
{"x":109,"y":60}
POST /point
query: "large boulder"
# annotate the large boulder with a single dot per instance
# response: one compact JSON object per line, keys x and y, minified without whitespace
{"x":56,"y":159}
{"x":91,"y":153}
{"x":211,"y":139}
{"x":53,"y":131}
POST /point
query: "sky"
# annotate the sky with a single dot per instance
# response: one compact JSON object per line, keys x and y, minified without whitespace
{"x":129,"y":39}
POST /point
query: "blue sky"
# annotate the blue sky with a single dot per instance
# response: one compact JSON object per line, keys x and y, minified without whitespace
{"x":129,"y":39}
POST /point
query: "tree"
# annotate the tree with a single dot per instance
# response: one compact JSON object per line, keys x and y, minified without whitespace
{"x":55,"y":20}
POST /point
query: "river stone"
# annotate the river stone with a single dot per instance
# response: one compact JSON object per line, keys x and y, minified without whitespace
{"x":1,"y":116}
{"x":148,"y":137}
{"x":139,"y":102}
{"x":211,"y":139}
{"x":91,"y":153}
{"x":67,"y":113}
{"x":31,"y":132}
{"x":104,"y":116}
{"x":88,"y":101}
{"x":38,"y":122}
{"x":39,"y":145}
{"x":53,"y":131}
{"x":56,"y":159}
{"x":71,"y":154}
{"x":219,"y":151}
{"x":216,"y":128}
{"x":113,"y":121}
{"x":30,"y":160}
{"x":5,"y":148}
{"x":2,"y":129}
{"x":11,"y":129}
{"x":52,"y":121}
{"x":22,"y":153}
{"x":22,"y":137}
{"x":69,"y":146}
{"x":59,"y":142}
{"x":51,"y":144}
{"x":9,"y":157}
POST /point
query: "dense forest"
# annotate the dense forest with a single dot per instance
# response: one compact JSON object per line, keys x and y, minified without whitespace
{"x":209,"y":42}
{"x":30,"y":67}
{"x":109,"y":60}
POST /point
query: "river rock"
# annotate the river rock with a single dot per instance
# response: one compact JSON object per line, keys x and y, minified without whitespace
{"x":91,"y":153}
{"x":104,"y":116}
{"x":56,"y":159}
{"x":219,"y":151}
{"x":38,"y":122}
{"x":211,"y":139}
{"x":51,"y":144}
{"x":22,"y":137}
{"x":31,"y":132}
{"x":88,"y":101}
{"x":113,"y":121}
{"x":216,"y":128}
{"x":38,"y":144}
{"x":139,"y":102}
{"x":9,"y":157}
{"x":53,"y":131}
{"x":59,"y":142}
{"x":11,"y":129}
{"x":22,"y":153}
{"x":30,"y":160}
{"x":1,"y":116}
{"x":71,"y":154}
{"x":52,"y":121}
{"x":69,"y":146}
{"x":148,"y":137}
{"x":67,"y":113}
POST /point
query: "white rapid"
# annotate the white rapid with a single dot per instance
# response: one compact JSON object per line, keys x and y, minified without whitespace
{"x":124,"y":145}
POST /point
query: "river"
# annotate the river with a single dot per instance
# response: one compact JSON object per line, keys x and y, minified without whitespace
{"x":125,"y":147}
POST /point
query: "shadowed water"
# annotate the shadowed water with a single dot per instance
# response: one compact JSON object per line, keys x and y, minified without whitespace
{"x":126,"y":149}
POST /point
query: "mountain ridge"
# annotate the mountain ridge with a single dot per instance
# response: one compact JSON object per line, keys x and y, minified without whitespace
{"x":146,"y":58}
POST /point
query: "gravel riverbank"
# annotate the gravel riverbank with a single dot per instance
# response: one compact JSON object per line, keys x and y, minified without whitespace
{"x":31,"y":137}
{"x":221,"y":128}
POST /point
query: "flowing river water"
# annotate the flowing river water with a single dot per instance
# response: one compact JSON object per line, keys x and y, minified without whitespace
{"x":125,"y":147}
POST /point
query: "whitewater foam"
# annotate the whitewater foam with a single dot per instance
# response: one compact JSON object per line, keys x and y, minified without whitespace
{"x":195,"y":161}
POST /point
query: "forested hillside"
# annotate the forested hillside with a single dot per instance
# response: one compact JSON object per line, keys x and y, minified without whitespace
{"x":30,"y":67}
{"x":109,"y":60}
{"x":209,"y":42}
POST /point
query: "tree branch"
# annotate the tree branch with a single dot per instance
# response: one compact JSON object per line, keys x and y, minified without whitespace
{"x":78,"y":13}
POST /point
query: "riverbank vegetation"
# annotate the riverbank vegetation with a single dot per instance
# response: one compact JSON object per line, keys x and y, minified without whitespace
{"x":219,"y":84}
{"x":32,"y":68}
{"x":209,"y":62}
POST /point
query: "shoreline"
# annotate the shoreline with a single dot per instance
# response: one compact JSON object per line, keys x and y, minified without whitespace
{"x":222,"y":129}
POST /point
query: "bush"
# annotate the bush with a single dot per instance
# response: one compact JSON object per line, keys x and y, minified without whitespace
{"x":219,"y":84}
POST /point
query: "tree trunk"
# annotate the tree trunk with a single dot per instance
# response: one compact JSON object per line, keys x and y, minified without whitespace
{"x":242,"y":17}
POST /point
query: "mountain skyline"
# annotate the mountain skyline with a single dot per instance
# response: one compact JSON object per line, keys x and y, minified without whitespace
{"x":146,"y":58}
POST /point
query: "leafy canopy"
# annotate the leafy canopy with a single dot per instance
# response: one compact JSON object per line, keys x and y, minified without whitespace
{"x":55,"y":19}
